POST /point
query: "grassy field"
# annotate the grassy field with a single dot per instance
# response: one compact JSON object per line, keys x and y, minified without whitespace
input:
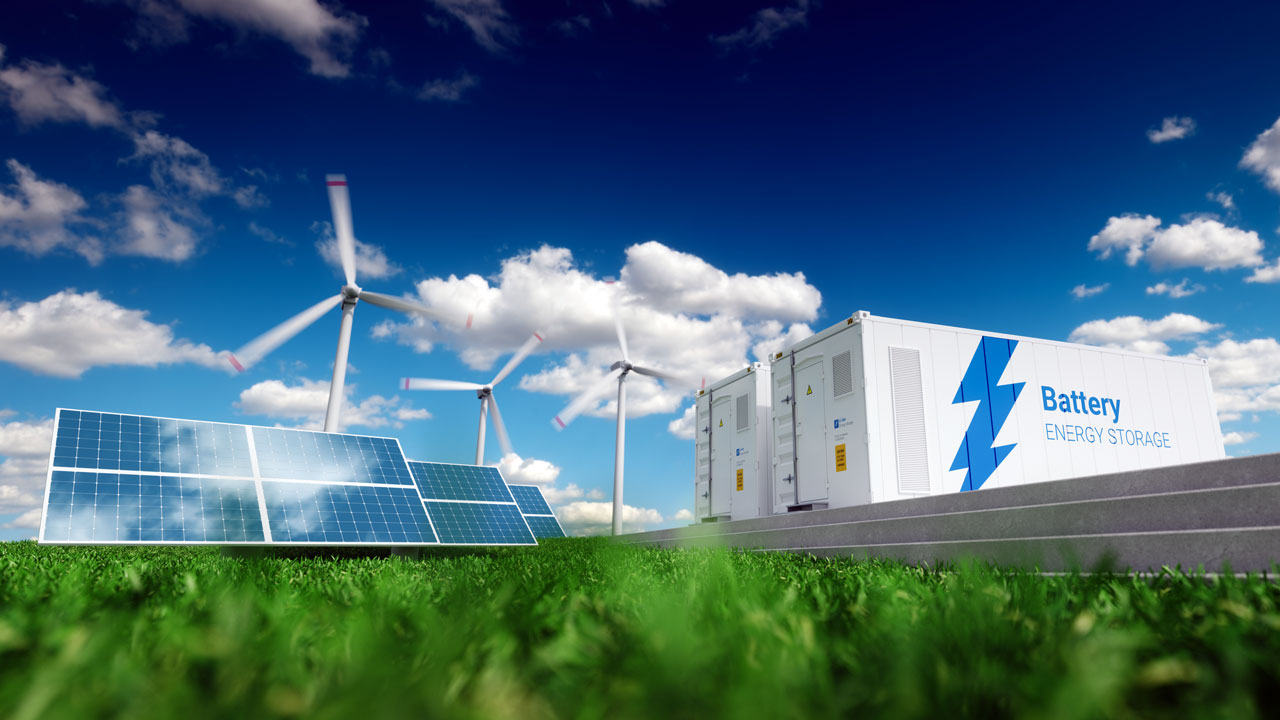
{"x":581,"y":628}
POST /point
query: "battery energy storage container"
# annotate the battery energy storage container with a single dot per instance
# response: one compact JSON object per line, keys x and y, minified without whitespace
{"x":734,"y":463}
{"x":875,"y":409}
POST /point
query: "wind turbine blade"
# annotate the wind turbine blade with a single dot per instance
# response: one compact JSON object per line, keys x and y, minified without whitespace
{"x":534,"y":340}
{"x":504,"y":441}
{"x":583,"y":401}
{"x":622,"y":337}
{"x":340,"y":204}
{"x":662,"y":375}
{"x":429,"y":384}
{"x":392,"y":302}
{"x":260,"y":346}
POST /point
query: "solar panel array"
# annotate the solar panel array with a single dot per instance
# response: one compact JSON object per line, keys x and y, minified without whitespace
{"x":470,"y":505}
{"x":537,"y":513}
{"x":129,"y":479}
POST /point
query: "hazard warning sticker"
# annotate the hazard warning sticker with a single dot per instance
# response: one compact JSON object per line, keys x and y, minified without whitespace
{"x":739,"y":479}
{"x":809,"y":391}
{"x":841,"y":463}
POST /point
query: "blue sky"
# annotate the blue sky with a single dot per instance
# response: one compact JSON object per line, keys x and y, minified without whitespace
{"x":751,"y":172}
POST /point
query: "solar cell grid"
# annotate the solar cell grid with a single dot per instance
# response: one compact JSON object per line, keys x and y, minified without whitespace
{"x":468,"y":523}
{"x":305,"y":455}
{"x":447,"y":481}
{"x":312,"y":513}
{"x":109,"y":441}
{"x":530,"y":500}
{"x":544,"y":526}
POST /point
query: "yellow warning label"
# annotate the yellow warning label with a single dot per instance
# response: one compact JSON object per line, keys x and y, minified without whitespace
{"x":841,"y":464}
{"x":739,"y":479}
{"x":721,"y":423}
{"x":810,"y":391}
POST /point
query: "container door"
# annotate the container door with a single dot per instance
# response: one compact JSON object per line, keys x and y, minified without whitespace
{"x":721,"y":454}
{"x":702,"y":464}
{"x":811,"y":432}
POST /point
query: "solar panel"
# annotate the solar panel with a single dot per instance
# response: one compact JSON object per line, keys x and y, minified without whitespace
{"x":537,"y":513}
{"x":129,"y":479}
{"x":470,"y":505}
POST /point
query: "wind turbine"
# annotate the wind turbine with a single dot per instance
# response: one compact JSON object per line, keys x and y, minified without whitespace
{"x":620,"y":370}
{"x":351,"y":293}
{"x":488,"y":403}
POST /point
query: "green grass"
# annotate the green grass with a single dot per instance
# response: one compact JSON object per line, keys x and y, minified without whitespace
{"x":581,"y":628}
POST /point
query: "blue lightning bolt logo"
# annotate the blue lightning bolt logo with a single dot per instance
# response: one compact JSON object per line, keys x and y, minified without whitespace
{"x":981,"y":384}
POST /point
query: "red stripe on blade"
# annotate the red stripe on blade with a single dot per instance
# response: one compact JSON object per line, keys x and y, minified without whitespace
{"x":406,"y":383}
{"x":469,"y":317}
{"x":332,"y":183}
{"x":235,"y":363}
{"x":559,"y":421}
{"x":538,"y":336}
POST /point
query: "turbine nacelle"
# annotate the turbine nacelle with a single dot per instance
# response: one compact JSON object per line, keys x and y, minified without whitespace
{"x":350,"y":293}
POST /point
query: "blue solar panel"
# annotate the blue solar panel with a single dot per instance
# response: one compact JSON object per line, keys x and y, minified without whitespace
{"x":131,"y":479}
{"x":346,"y":514}
{"x":445,"y":481}
{"x":544,"y":526}
{"x":121,"y":507}
{"x":467,"y":523}
{"x":530,"y":500}
{"x":107,"y":441}
{"x":306,"y":455}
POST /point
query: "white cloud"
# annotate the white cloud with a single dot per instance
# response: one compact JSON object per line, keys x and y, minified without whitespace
{"x":529,"y":471}
{"x":1266,"y":273}
{"x":1202,"y":242}
{"x":371,"y":260}
{"x":596,"y":518}
{"x":684,"y":515}
{"x":321,"y":35}
{"x":448,"y":90}
{"x":308,"y":400}
{"x":1181,"y":290}
{"x":685,"y":426}
{"x":25,"y":449}
{"x":267,"y":234}
{"x":1172,"y":128}
{"x":488,"y":22}
{"x":176,"y":166}
{"x":1238,"y":438}
{"x":775,"y":339}
{"x":39,"y":93}
{"x":1134,"y":333}
{"x":1224,"y":199}
{"x":1128,"y":233}
{"x":1247,"y":364}
{"x":151,"y":227}
{"x":672,"y":323}
{"x":765,"y":25}
{"x":29,"y":519}
{"x":1082,"y":291}
{"x":1263,"y":156}
{"x":68,"y":332}
{"x":40,"y":216}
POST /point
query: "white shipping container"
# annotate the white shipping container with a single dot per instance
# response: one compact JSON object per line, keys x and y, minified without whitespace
{"x":733,"y":462}
{"x":876,"y":409}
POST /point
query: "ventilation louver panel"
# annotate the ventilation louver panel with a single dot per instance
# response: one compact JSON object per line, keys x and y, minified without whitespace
{"x":742,"y":413}
{"x":841,"y":374}
{"x":908,"y":420}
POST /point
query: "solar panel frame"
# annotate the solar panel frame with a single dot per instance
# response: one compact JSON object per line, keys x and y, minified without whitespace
{"x":531,"y":516}
{"x":254,"y":476}
{"x":429,"y":493}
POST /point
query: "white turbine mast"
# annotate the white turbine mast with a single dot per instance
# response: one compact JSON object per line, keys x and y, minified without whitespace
{"x":488,"y":403}
{"x":619,"y":370}
{"x":351,"y":293}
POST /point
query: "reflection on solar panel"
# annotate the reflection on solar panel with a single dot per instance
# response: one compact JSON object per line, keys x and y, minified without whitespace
{"x":470,"y":505}
{"x":121,"y":479}
{"x":537,"y":513}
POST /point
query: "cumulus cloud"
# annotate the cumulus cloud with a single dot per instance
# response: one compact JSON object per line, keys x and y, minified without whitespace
{"x":371,"y":260}
{"x":1224,"y":199}
{"x":1238,"y":438}
{"x":38,"y":216}
{"x":68,"y":333}
{"x":51,"y":93}
{"x":448,"y":89}
{"x":1138,"y":334}
{"x":672,"y":323}
{"x":152,"y":226}
{"x":1203,"y":242}
{"x":324,"y":36}
{"x":306,"y":402}
{"x":1266,"y":273}
{"x":27,"y":520}
{"x":1263,"y":156}
{"x":1083,"y":291}
{"x":1181,"y":290}
{"x":1245,"y":374}
{"x":596,"y":518}
{"x":685,"y":427}
{"x":488,"y":22}
{"x":529,"y":471}
{"x":176,"y":166}
{"x":24,"y":447}
{"x":1172,"y":128}
{"x":684,"y":515}
{"x":765,"y":25}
